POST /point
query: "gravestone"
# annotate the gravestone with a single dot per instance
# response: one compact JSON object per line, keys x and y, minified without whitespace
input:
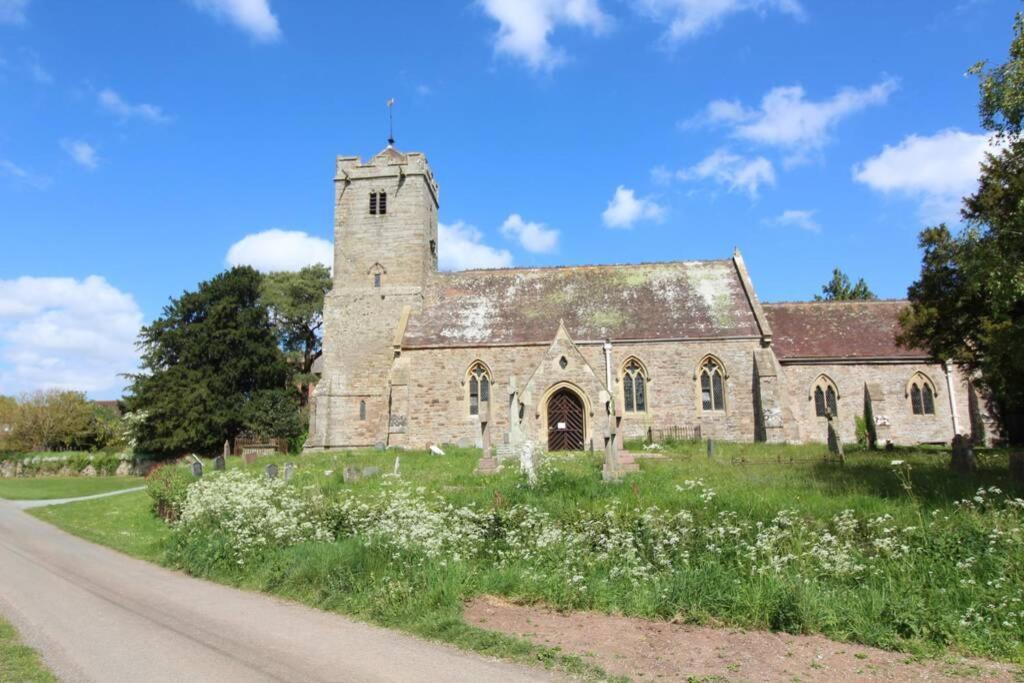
{"x":398,"y":465}
{"x":835,"y":443}
{"x":197,"y":469}
{"x":351,"y":474}
{"x":289,"y":471}
{"x":227,"y":448}
{"x":711,"y":448}
{"x":218,"y":463}
{"x":271,"y":471}
{"x":963,"y":454}
{"x":249,"y":457}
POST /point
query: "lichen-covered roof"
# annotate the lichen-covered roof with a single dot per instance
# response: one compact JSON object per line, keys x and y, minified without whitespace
{"x":838,"y":329}
{"x":697,"y":299}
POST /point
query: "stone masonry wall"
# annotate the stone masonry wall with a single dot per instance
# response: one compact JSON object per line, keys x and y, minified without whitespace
{"x":893,"y":378}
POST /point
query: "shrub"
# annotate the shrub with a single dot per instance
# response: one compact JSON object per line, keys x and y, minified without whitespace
{"x":168,"y":486}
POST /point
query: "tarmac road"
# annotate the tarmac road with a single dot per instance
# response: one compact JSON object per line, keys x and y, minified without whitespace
{"x":97,"y":615}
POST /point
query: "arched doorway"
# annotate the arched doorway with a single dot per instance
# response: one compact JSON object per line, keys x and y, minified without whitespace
{"x":565,"y":421}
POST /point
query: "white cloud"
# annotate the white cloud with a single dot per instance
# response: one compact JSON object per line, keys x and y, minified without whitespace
{"x":113,"y":102}
{"x":11,"y":170}
{"x":937,"y":171}
{"x":13,"y":11}
{"x":738,"y":172}
{"x":687,"y":19}
{"x":797,"y":218}
{"x":82,"y":153}
{"x":625,"y":209}
{"x":787,"y":119}
{"x":252,"y":16}
{"x":534,"y":237}
{"x":423,"y":90}
{"x":461,"y":248}
{"x":526,"y":25}
{"x":66,"y":333}
{"x":276,"y":250}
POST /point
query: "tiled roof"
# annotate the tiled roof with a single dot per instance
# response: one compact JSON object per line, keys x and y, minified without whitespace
{"x":695,"y":299}
{"x":838,"y":329}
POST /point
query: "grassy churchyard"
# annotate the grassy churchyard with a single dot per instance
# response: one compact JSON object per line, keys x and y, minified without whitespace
{"x":48,"y":488}
{"x":893,"y":550}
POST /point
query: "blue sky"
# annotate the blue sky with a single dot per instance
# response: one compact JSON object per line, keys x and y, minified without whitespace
{"x":144,"y":146}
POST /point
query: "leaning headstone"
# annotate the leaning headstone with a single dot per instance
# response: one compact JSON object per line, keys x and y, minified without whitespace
{"x":398,"y":465}
{"x":351,"y":474}
{"x":711,"y":448}
{"x":528,"y":463}
{"x":289,"y":471}
{"x":197,"y":468}
{"x":835,"y":443}
{"x":218,"y":463}
{"x":436,"y":450}
{"x":271,"y":470}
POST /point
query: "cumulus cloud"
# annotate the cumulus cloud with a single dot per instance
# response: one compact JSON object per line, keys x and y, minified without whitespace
{"x":787,"y":119}
{"x":66,"y":333}
{"x":114,"y":103}
{"x":13,"y":11}
{"x":534,"y":237}
{"x":461,"y":247}
{"x":797,"y":218}
{"x":525,"y":27}
{"x":252,"y":16}
{"x":737,"y":172}
{"x":626,"y":209}
{"x":937,"y":171}
{"x":82,"y":153}
{"x":687,"y":19}
{"x":277,"y":250}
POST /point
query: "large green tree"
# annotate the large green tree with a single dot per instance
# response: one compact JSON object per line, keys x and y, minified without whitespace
{"x":968,"y":304}
{"x":210,"y":354}
{"x":839,"y":288}
{"x":296,"y":303}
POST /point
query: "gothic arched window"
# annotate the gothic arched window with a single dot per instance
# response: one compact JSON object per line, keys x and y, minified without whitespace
{"x":712,"y":385}
{"x":922,"y":395}
{"x":362,"y":410}
{"x":479,"y":387}
{"x":634,"y":386}
{"x":826,"y":397}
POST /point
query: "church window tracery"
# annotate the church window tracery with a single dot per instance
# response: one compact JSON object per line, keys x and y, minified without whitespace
{"x":922,"y":395}
{"x":712,"y":385}
{"x":479,"y":387}
{"x":634,"y":386}
{"x":826,"y":397}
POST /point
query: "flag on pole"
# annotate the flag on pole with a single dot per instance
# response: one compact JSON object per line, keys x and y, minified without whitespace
{"x":391,"y":102}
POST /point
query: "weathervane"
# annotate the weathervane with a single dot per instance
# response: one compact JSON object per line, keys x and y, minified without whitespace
{"x":391,"y":123}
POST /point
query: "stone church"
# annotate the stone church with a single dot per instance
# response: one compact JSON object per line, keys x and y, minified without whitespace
{"x":561,"y":358}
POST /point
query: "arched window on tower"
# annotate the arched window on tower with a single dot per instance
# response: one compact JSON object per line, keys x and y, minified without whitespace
{"x":826,"y":396}
{"x":712,"y":385}
{"x":634,"y":386}
{"x":479,"y":387}
{"x":922,"y":395}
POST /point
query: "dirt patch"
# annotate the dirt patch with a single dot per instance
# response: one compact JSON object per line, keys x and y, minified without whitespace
{"x":645,"y":650}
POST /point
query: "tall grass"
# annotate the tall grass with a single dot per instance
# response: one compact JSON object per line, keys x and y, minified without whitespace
{"x":910,"y":557}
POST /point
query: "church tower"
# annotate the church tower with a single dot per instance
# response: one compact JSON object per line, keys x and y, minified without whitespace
{"x":385,"y":250}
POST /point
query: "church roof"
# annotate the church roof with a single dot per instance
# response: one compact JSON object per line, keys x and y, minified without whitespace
{"x":682,"y":299}
{"x":838,"y":330}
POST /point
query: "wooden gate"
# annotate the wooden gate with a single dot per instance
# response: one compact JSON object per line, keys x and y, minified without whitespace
{"x":565,"y":421}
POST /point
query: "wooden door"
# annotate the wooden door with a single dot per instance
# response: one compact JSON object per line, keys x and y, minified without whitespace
{"x":565,"y":421}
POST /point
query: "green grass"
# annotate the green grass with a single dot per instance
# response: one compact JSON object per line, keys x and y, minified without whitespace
{"x":17,"y":662}
{"x":48,"y":488}
{"x":124,"y":523}
{"x":913,"y":603}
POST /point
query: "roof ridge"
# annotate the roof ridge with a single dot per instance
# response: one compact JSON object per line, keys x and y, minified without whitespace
{"x":832,"y":303}
{"x":637,"y":264}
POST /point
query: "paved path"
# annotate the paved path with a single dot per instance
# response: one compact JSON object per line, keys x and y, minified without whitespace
{"x":26,"y":504}
{"x":97,"y":615}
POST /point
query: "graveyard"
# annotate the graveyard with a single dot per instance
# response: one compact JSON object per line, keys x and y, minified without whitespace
{"x":888,"y":549}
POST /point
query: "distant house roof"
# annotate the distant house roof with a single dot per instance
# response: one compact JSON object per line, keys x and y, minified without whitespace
{"x":109,"y":405}
{"x":682,"y":299}
{"x":838,"y":329}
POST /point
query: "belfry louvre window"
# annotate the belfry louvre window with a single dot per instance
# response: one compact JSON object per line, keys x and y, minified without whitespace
{"x":712,"y":385}
{"x":479,"y":387}
{"x":634,"y":387}
{"x":378,"y":203}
